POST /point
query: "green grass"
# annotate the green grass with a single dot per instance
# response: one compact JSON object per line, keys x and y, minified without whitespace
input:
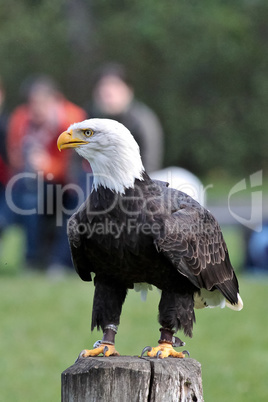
{"x":44,"y":325}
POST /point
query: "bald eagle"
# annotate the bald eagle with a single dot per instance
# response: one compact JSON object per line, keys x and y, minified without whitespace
{"x":135,"y":230}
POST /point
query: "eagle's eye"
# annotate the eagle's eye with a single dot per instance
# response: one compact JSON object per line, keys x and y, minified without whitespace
{"x":88,"y":132}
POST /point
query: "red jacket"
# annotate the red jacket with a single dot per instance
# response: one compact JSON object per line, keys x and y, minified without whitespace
{"x":57,"y":164}
{"x":4,"y":172}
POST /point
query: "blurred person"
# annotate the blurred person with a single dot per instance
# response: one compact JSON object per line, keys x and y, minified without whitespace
{"x":113,"y":97}
{"x":257,"y":251}
{"x":31,"y":142}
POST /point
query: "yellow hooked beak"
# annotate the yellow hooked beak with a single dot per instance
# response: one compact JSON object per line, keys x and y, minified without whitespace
{"x":66,"y":140}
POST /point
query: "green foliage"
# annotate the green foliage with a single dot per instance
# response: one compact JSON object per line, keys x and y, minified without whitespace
{"x":32,"y":41}
{"x":201,"y":65}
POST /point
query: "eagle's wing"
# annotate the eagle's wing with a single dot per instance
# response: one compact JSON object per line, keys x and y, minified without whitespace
{"x":76,"y":241}
{"x":192,"y":240}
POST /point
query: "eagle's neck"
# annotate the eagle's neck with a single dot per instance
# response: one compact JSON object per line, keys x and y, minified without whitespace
{"x":117,"y":171}
{"x":106,"y":200}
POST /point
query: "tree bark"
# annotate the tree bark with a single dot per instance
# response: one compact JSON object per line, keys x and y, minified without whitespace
{"x":129,"y":379}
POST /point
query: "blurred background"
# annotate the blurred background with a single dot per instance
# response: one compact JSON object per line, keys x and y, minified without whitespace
{"x":197,"y":73}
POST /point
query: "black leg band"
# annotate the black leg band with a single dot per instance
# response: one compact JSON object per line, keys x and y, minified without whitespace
{"x":108,"y":335}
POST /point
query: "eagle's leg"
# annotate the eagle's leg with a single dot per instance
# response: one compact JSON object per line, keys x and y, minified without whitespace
{"x":107,"y":307}
{"x":166,"y":343}
{"x":105,"y":346}
{"x":175,"y":311}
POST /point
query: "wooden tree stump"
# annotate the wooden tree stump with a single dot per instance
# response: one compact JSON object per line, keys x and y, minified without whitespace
{"x":129,"y":379}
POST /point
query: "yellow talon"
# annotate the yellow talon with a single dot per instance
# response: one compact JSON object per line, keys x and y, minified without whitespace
{"x":164,"y":350}
{"x":104,"y":348}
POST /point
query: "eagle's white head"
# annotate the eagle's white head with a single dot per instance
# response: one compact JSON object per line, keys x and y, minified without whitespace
{"x":110,"y":149}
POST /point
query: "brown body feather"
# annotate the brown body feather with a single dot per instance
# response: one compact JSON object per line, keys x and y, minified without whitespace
{"x":150,"y":234}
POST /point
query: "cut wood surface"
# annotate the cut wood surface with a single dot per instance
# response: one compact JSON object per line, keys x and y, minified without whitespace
{"x":129,"y":379}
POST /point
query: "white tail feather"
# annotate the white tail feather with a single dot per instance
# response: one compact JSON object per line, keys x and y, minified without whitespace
{"x":143,"y":287}
{"x":206,"y":298}
{"x":236,"y":307}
